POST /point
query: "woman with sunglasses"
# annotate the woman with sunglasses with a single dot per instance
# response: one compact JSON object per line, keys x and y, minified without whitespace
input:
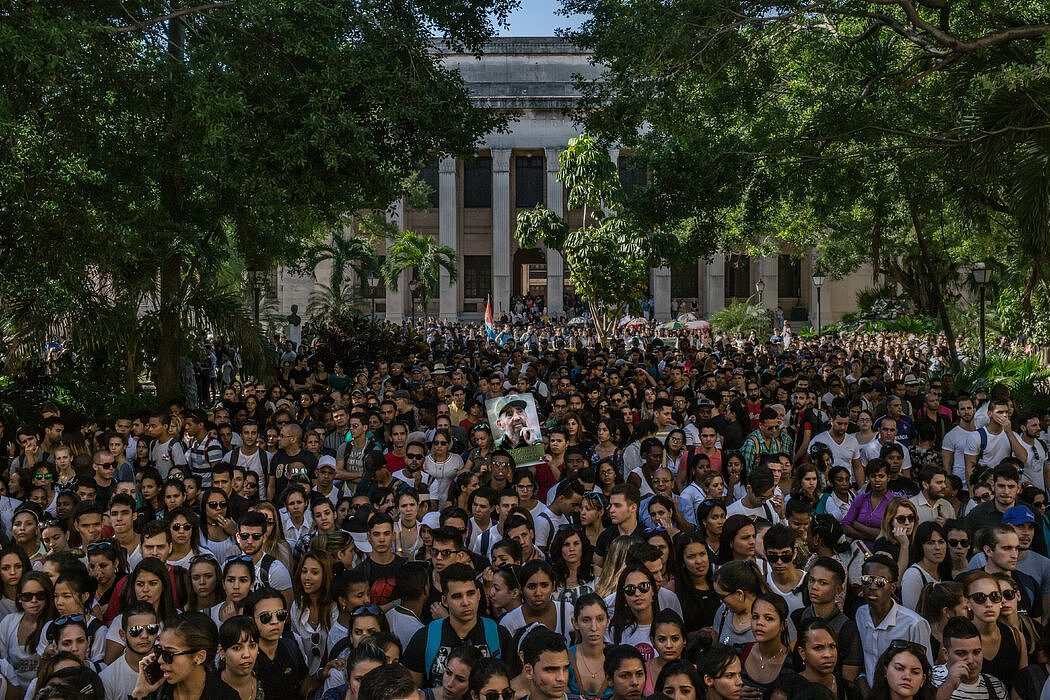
{"x":1004,"y":648}
{"x":442,"y":465}
{"x":958,"y":546}
{"x":1010,"y":615}
{"x":314,"y":610}
{"x":185,"y":537}
{"x":185,"y":651}
{"x":215,"y":535}
{"x":490,"y":680}
{"x":929,"y":562}
{"x":150,"y":582}
{"x":899,"y":520}
{"x":634,"y":608}
{"x":903,"y":672}
{"x":20,"y":631}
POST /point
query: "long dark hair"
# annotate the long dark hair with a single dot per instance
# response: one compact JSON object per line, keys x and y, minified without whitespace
{"x":923,"y":534}
{"x":622,"y":616}
{"x":734,"y":524}
{"x":561,"y":570}
{"x":47,"y":614}
{"x":681,"y":572}
{"x":881,"y":688}
{"x":205,"y":493}
{"x":151,"y":565}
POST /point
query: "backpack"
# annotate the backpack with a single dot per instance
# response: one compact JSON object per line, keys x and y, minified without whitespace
{"x":265,"y":564}
{"x":264,"y":462}
{"x":433,"y":642}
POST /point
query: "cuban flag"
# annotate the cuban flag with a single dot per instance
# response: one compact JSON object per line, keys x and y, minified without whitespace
{"x":490,"y":327}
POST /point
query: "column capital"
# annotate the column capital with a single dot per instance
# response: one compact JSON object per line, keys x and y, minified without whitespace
{"x":447,"y":165}
{"x":552,"y":153}
{"x":614,"y":155}
{"x":500,"y":160}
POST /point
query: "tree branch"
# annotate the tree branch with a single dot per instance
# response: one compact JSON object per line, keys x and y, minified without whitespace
{"x":146,"y":23}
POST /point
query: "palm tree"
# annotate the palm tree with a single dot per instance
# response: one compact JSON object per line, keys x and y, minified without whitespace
{"x":346,"y":252}
{"x":409,"y":250}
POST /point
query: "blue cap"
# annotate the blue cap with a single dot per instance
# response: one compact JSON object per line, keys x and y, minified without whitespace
{"x":1018,"y":515}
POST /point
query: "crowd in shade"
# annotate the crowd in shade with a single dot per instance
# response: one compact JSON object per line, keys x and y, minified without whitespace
{"x":539,"y":515}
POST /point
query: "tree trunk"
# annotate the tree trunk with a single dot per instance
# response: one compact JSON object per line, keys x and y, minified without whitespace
{"x":171,"y":332}
{"x":934,"y":287}
{"x":131,"y":383}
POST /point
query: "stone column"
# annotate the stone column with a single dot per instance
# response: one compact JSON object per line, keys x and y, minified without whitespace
{"x":555,"y":264}
{"x":661,"y":286}
{"x":500,"y":230}
{"x":769,"y":272}
{"x":397,"y":302}
{"x":448,"y":291}
{"x":715,"y":284}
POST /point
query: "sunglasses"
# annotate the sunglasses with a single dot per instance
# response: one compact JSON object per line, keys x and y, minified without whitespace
{"x":67,"y":619}
{"x":781,"y":558}
{"x":368,"y":610}
{"x":99,"y":546}
{"x":505,"y":694}
{"x":905,"y":645}
{"x":958,"y":543}
{"x":874,"y":581}
{"x":904,"y":519}
{"x":267,"y":617}
{"x":217,"y":505}
{"x":168,"y":656}
{"x":1011,"y":594}
{"x":245,"y":536}
{"x":982,"y":598}
{"x":643,"y":587}
{"x":441,"y":442}
{"x":43,"y":475}
{"x":181,"y":527}
{"x":28,"y":597}
{"x":151,"y":630}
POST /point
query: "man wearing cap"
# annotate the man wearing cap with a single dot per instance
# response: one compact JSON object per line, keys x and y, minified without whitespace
{"x":406,"y":409}
{"x":1028,"y":563}
{"x":513,"y":423}
{"x":324,"y":477}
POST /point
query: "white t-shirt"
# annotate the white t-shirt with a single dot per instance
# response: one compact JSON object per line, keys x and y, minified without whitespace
{"x":546,"y":523}
{"x":665,"y":600}
{"x":955,"y":440}
{"x":1033,"y":466}
{"x":996,"y":449}
{"x":252,"y":463}
{"x":119,"y":679}
{"x":515,"y":619}
{"x":971,"y":691}
{"x":22,"y":664}
{"x":638,"y":637}
{"x":764,"y":511}
{"x":874,"y":448}
{"x":166,"y":455}
{"x":842,"y":455}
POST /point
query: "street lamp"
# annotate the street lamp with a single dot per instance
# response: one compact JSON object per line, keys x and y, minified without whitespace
{"x":256,"y":280}
{"x":412,"y":287}
{"x":760,"y":287}
{"x":981,"y":275}
{"x":373,"y":284}
{"x":818,"y":282}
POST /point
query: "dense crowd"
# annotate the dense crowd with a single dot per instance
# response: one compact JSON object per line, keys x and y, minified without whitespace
{"x":723,"y":519}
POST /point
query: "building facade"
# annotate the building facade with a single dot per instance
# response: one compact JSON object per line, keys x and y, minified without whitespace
{"x":475,"y":201}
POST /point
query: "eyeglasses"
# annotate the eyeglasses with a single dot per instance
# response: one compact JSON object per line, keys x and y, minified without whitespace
{"x":43,"y":475}
{"x":904,"y":519}
{"x":181,"y":527}
{"x":501,"y":464}
{"x":780,"y":558}
{"x":217,"y":505}
{"x":952,"y":542}
{"x":168,"y":656}
{"x":982,"y":598}
{"x":267,"y":617}
{"x":28,"y":597}
{"x":525,"y":487}
{"x":1039,"y":504}
{"x":151,"y":630}
{"x":874,"y":581}
{"x":632,"y":589}
{"x":442,"y":553}
{"x":441,"y":442}
{"x":505,"y":694}
{"x":1010,"y":594}
{"x":245,"y":536}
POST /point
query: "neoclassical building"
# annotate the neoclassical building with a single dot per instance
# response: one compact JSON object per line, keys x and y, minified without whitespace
{"x":475,"y":201}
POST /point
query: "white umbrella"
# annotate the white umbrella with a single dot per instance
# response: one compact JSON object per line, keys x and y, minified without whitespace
{"x":697,"y":325}
{"x":686,"y":317}
{"x":578,"y":321}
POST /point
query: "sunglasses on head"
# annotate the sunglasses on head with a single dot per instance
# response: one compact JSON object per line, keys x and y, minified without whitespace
{"x":267,"y":617}
{"x":150,"y":630}
{"x":368,"y":610}
{"x":99,"y":546}
{"x":632,"y":589}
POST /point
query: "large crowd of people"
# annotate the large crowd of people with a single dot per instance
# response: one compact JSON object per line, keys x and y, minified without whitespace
{"x":722,"y":518}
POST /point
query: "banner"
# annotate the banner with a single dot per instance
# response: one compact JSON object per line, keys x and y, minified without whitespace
{"x":516,"y":427}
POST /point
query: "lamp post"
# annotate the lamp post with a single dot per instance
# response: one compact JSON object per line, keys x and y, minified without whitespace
{"x":760,"y":287}
{"x":818,"y":282}
{"x":256,"y":280}
{"x":373,"y":284}
{"x":412,"y":287}
{"x":981,"y":275}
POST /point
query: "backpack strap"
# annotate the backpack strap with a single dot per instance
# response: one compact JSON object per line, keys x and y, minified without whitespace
{"x":491,"y":637}
{"x":990,"y":687}
{"x":264,"y":569}
{"x":982,"y":434}
{"x":235,"y":455}
{"x":432,"y":646}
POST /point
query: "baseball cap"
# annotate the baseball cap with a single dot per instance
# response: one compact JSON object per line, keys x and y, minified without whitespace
{"x":1018,"y":515}
{"x":326,"y":461}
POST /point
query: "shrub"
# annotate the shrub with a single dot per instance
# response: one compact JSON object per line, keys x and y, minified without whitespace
{"x":741,"y":318}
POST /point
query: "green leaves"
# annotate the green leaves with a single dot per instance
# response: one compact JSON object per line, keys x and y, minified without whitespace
{"x":408,"y":250}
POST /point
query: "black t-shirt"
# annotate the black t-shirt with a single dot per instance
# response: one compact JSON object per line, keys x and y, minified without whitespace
{"x":415,"y":653}
{"x":381,"y":578}
{"x":281,"y":676}
{"x":903,"y":484}
{"x":601,"y":547}
{"x":283,"y":467}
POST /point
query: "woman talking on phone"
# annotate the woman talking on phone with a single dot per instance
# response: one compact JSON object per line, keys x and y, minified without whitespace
{"x":180,"y":666}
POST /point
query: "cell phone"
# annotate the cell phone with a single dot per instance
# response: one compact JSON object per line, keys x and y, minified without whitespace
{"x":153,"y":672}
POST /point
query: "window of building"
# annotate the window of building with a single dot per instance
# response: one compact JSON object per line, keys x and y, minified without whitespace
{"x":738,"y":277}
{"x":429,"y":174}
{"x":632,"y":172}
{"x":789,"y":277}
{"x":529,"y":186}
{"x":685,"y":281}
{"x":477,"y":276}
{"x":477,"y":183}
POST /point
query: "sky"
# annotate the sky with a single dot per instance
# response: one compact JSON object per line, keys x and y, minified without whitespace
{"x":538,"y":18}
